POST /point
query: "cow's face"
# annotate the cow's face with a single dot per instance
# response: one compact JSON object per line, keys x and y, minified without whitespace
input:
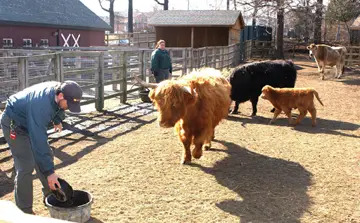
{"x":312,"y":50}
{"x":171,"y":101}
{"x":265,"y":92}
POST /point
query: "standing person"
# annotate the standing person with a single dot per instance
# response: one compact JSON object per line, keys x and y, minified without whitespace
{"x":24,"y":122}
{"x":161,"y":62}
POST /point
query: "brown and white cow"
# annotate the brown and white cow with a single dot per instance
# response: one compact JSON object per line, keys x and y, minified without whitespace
{"x":327,"y":55}
{"x":194,"y":104}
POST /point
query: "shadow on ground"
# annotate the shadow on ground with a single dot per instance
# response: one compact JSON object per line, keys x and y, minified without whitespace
{"x":324,"y":126}
{"x":269,"y":189}
{"x":91,"y":127}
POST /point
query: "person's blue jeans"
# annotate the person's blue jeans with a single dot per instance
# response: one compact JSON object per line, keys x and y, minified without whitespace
{"x":161,"y":74}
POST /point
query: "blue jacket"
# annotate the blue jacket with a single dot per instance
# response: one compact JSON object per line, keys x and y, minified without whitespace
{"x":34,"y":109}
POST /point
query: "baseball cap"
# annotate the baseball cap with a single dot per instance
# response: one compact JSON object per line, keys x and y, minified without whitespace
{"x":72,"y":94}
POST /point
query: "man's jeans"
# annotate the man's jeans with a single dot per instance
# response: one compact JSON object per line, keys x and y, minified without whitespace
{"x":24,"y":165}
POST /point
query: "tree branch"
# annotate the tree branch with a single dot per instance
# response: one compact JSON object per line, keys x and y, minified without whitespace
{"x":106,"y":10}
{"x":157,"y":1}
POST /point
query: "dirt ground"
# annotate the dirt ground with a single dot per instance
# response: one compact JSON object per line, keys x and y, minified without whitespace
{"x":254,"y":172}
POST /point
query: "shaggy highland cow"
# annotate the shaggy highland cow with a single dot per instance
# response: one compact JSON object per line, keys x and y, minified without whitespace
{"x":195,"y":104}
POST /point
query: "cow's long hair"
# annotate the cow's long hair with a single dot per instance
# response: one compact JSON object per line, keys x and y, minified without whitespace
{"x":202,"y":98}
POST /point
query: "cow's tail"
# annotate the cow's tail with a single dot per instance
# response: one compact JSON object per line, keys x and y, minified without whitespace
{"x":317,"y":97}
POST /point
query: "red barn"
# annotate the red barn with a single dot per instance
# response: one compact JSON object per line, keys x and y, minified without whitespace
{"x":42,"y":23}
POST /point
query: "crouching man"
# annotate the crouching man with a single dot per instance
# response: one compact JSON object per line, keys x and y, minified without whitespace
{"x":25,"y":120}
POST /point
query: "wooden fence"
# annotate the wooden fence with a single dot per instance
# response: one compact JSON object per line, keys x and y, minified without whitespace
{"x":101,"y":74}
{"x":253,"y":49}
{"x":141,"y":40}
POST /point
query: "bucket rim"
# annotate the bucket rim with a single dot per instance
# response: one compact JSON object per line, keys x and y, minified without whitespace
{"x":47,"y":204}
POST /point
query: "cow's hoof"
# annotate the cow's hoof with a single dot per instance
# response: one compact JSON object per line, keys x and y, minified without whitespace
{"x":185,"y":161}
{"x":253,"y":114}
{"x":197,"y":153}
{"x":207,"y":147}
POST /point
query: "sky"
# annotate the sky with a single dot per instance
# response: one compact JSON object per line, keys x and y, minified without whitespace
{"x":148,"y":5}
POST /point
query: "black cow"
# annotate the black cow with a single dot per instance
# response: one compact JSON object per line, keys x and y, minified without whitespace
{"x":248,"y":80}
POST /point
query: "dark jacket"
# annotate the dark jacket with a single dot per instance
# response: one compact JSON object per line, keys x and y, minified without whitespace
{"x":160,"y":59}
{"x":33,"y":109}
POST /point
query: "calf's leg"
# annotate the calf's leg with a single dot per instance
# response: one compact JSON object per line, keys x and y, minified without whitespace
{"x":288,"y":114}
{"x":303,"y":113}
{"x":276,"y":113}
{"x":312,"y":111}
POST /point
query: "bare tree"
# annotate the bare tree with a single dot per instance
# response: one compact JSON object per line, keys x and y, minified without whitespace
{"x":165,"y":4}
{"x":342,"y":11}
{"x":111,"y":12}
{"x":234,"y":1}
{"x":279,"y":53}
{"x":318,"y":21}
{"x":130,"y":16}
{"x":227,"y":4}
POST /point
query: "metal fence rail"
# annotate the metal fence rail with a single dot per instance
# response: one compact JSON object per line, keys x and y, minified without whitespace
{"x":101,"y":74}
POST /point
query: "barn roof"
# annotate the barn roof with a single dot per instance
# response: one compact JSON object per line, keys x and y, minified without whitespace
{"x":356,"y":24}
{"x":51,"y":13}
{"x":196,"y":18}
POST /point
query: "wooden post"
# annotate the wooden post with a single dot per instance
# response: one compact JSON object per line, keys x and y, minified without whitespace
{"x":184,"y":58}
{"x":213,"y":57}
{"x":115,"y":75}
{"x":124,"y":78}
{"x":206,"y":57}
{"x":191,"y":57}
{"x":141,"y":65}
{"x":23,"y":74}
{"x":198,"y":59}
{"x":107,"y":39}
{"x":99,"y":93}
{"x":192,"y":37}
{"x":57,"y":67}
{"x":221,"y":57}
{"x":61,"y":68}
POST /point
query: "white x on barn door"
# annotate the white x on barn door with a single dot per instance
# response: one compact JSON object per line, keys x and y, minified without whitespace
{"x":76,"y":40}
{"x":66,"y":40}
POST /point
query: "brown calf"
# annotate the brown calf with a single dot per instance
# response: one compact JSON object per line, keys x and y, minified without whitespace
{"x":285,"y":99}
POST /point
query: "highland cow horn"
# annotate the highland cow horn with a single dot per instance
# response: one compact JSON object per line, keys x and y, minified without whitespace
{"x":144,"y":84}
{"x":186,"y":89}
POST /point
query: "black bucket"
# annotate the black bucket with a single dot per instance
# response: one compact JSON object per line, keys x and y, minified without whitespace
{"x":144,"y":95}
{"x":77,"y":210}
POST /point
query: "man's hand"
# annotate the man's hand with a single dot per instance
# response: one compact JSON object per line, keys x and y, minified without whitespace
{"x":58,"y":128}
{"x":53,"y":180}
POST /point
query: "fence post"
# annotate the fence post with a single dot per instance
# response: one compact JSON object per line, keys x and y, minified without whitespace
{"x":184,"y":58}
{"x":123,"y":86}
{"x":191,"y":59}
{"x":57,"y":67}
{"x":23,"y":74}
{"x":206,"y":57}
{"x":99,"y":93}
{"x":61,"y":68}
{"x":221,"y":57}
{"x":141,"y":65}
{"x":199,"y":59}
{"x":114,"y":75}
